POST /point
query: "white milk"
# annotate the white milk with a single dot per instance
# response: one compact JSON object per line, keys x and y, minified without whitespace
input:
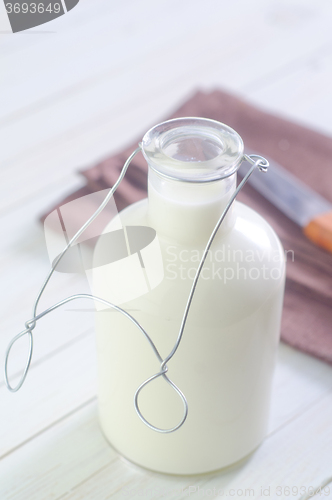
{"x":225,"y":362}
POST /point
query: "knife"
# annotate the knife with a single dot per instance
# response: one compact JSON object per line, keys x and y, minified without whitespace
{"x":296,"y":200}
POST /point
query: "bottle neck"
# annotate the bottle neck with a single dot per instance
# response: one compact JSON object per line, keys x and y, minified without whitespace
{"x":187,"y":212}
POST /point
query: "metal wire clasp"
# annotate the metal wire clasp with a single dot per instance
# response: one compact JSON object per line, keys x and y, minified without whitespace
{"x":256,"y":162}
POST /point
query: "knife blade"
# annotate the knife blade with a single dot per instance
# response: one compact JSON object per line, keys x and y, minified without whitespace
{"x":296,"y":200}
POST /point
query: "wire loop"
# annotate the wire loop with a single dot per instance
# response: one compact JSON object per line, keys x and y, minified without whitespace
{"x":257,"y":162}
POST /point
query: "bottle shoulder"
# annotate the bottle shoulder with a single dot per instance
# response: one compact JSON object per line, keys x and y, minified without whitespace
{"x":252,"y":228}
{"x":245,"y":265}
{"x":248,"y":229}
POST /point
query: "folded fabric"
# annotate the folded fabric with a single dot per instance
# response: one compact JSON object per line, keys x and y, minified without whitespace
{"x":307,"y":316}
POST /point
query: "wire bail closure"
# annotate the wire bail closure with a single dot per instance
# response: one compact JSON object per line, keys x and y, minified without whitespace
{"x":256,"y":161}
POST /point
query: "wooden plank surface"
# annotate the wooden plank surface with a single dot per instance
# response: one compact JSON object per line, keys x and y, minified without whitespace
{"x":79,"y":88}
{"x":297,"y":453}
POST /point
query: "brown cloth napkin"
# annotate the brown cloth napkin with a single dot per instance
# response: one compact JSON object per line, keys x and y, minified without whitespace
{"x":307,"y":316}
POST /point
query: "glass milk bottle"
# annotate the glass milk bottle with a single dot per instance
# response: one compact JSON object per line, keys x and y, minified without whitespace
{"x":224,"y":364}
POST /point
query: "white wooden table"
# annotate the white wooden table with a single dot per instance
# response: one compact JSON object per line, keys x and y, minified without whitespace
{"x":73,"y":91}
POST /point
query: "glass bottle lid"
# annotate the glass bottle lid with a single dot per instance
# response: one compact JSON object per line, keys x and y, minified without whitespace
{"x":193,"y":149}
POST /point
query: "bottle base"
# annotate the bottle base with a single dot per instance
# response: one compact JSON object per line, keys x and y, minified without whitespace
{"x":222,"y":468}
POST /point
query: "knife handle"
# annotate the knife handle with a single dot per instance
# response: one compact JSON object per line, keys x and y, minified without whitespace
{"x":319,"y":230}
